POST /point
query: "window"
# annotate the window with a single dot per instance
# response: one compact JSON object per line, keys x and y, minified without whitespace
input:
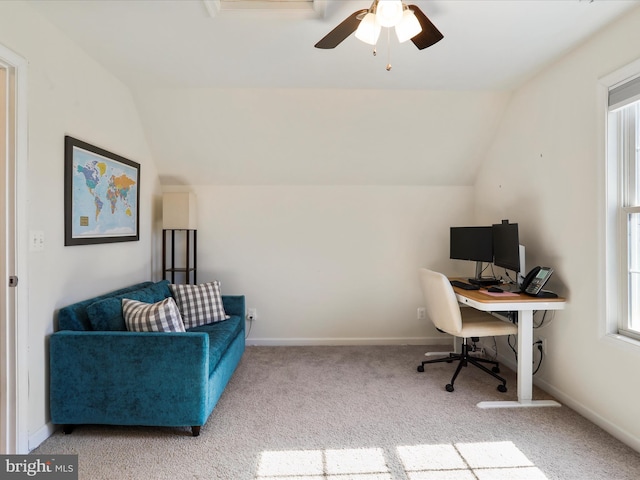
{"x":624,"y":203}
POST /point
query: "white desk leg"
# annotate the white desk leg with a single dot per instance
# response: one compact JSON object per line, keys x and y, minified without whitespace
{"x":525,"y":368}
{"x":525,"y":356}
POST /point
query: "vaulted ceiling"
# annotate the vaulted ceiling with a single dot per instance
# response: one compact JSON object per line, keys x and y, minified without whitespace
{"x":232,"y":91}
{"x":164,"y":43}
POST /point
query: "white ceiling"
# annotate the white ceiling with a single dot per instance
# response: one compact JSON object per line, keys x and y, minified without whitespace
{"x":243,"y":97}
{"x":165,"y":43}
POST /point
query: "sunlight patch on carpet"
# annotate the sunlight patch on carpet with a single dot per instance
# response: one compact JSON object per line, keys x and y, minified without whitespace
{"x":342,"y":464}
{"x":460,"y":461}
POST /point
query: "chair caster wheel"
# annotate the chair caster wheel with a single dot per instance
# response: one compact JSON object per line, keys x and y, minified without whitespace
{"x":421,"y":368}
{"x":502,"y":388}
{"x":448,"y":387}
{"x":495,"y":369}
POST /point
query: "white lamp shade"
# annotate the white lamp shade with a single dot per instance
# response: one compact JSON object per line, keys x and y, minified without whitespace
{"x":179,"y":211}
{"x":408,"y":27}
{"x":389,"y":12}
{"x":368,"y":31}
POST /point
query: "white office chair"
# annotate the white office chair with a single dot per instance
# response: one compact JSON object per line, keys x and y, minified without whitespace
{"x":443,"y":310}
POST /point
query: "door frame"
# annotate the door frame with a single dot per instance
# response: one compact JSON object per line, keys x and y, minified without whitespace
{"x":14,"y":327}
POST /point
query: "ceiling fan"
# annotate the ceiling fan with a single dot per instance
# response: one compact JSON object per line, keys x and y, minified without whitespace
{"x":410,"y":22}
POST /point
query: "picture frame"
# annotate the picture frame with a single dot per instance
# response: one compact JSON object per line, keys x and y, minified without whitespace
{"x":101,"y":195}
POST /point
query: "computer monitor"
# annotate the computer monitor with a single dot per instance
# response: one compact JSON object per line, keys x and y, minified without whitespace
{"x":472,"y":243}
{"x":506,"y":246}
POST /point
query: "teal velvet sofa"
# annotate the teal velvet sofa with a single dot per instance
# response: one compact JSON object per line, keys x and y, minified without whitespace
{"x":100,"y":373}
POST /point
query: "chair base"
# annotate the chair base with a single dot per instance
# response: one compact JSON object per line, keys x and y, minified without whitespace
{"x":464,"y":359}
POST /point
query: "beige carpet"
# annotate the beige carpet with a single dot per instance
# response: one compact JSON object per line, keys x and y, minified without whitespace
{"x":356,"y":413}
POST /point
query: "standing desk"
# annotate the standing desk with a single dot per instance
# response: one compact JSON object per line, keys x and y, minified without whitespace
{"x":524,"y":305}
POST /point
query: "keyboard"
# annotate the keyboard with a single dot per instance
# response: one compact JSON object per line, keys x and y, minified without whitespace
{"x":484,"y":282}
{"x":464,"y":286}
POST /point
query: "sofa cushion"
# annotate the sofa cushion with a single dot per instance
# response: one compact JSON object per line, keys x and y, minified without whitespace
{"x":162,"y":316}
{"x":74,"y":316}
{"x":106,"y":314}
{"x":221,"y":334}
{"x":199,"y":304}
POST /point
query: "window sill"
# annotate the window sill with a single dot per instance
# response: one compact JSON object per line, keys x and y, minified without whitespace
{"x":622,"y":341}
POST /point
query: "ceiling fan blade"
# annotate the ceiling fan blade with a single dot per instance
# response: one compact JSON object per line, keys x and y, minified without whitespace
{"x":429,"y":34}
{"x":342,"y":31}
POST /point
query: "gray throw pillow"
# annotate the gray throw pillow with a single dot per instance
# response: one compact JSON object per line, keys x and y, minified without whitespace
{"x":199,"y":304}
{"x":162,"y":316}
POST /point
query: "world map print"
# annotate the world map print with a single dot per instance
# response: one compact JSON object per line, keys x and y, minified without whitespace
{"x":105,"y":196}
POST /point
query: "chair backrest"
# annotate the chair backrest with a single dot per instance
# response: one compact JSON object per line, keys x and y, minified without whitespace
{"x":440,"y":301}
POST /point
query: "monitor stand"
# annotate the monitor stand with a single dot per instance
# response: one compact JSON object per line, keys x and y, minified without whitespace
{"x":482,"y":282}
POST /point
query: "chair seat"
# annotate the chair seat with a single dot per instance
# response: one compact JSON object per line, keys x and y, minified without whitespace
{"x":480,"y":324}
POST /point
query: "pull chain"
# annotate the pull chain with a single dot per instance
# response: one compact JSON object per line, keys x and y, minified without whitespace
{"x":388,"y":49}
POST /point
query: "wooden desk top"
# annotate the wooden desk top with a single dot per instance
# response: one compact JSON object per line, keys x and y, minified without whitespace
{"x":483,"y":296}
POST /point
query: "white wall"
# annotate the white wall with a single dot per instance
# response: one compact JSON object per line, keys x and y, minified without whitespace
{"x":329,"y":264}
{"x":259,"y":136}
{"x":68,"y":93}
{"x":546,"y":171}
{"x":320,"y":205}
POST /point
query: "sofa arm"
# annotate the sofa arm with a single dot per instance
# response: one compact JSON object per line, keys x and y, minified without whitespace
{"x":129,"y":378}
{"x":234,"y":305}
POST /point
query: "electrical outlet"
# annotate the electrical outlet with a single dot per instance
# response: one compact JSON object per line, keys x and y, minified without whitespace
{"x":252,"y":314}
{"x":422,"y":313}
{"x":542,"y":342}
{"x":36,"y":241}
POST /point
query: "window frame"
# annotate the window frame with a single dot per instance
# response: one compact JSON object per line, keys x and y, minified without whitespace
{"x":617,"y":151}
{"x":627,"y":141}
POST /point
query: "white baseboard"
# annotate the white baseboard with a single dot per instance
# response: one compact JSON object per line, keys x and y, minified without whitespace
{"x":41,"y":435}
{"x":294,"y":342}
{"x":611,"y":428}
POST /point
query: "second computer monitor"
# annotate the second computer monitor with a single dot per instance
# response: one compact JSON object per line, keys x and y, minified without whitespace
{"x":506,"y":246}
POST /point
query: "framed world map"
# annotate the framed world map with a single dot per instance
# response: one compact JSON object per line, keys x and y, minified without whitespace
{"x":102,"y":195}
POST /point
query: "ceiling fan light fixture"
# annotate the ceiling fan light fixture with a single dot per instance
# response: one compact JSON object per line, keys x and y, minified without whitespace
{"x":408,"y":27}
{"x":411,"y":24}
{"x":389,"y":12}
{"x":369,"y":30}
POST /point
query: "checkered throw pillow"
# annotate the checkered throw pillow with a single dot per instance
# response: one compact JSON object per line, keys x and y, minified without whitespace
{"x":163,"y":316}
{"x":199,"y":304}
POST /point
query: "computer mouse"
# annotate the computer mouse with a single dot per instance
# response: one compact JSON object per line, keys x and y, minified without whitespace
{"x":495,"y":290}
